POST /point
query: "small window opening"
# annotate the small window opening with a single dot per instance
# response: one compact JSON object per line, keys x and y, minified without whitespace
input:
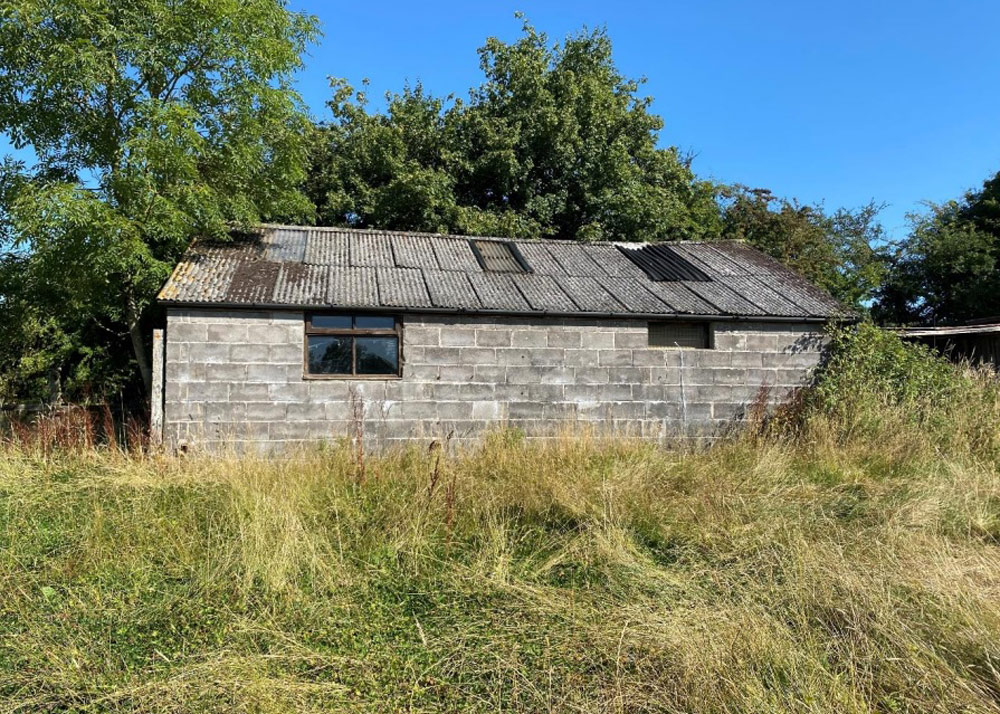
{"x":499,"y":256}
{"x":343,"y":345}
{"x":682,"y":335}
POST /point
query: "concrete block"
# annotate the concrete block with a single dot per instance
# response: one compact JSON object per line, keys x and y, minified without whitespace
{"x":264,"y":334}
{"x":580,"y":358}
{"x":493,"y":338}
{"x":596,"y":340}
{"x":631,"y":340}
{"x":488,"y":410}
{"x":211,"y":352}
{"x":305,"y":411}
{"x":664,"y":410}
{"x":614,"y":358}
{"x":524,"y":374}
{"x":729,"y":340}
{"x":184,"y":372}
{"x":226,"y":331}
{"x":557,"y":375}
{"x":545,"y":393}
{"x":629,"y":375}
{"x":419,"y":410}
{"x":224,"y":412}
{"x":665,"y":375}
{"x":421,"y":335}
{"x":176,"y":351}
{"x":213,"y":391}
{"x":243,"y":391}
{"x":251,"y":353}
{"x":696,"y":411}
{"x":403,"y":390}
{"x":459,"y":372}
{"x":477,"y":391}
{"x":704,"y":358}
{"x":442,"y":355}
{"x":564,"y":339}
{"x":232,"y":372}
{"x":707,"y":393}
{"x":526,"y":410}
{"x":266,"y":411}
{"x":746,"y":360}
{"x":495,"y":374}
{"x":513,"y":356}
{"x":477,"y":355}
{"x":528,"y":338}
{"x":593,"y":375}
{"x":186,"y":332}
{"x":445,"y":391}
{"x":454,"y":410}
{"x":697,"y":375}
{"x":650,"y":357}
{"x":757,"y":342}
{"x":287,"y":353}
{"x":728,"y":375}
{"x":458,"y":337}
{"x":298,"y":392}
{"x":329,"y":390}
{"x":267,"y":373}
{"x":420,"y":372}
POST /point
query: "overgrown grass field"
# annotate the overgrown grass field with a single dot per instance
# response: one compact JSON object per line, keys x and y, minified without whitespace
{"x":841,"y":558}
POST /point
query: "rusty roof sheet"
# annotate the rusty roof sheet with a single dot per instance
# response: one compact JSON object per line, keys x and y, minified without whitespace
{"x":301,"y":267}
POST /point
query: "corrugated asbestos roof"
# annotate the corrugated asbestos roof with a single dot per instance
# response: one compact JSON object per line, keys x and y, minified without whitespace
{"x":300,"y":267}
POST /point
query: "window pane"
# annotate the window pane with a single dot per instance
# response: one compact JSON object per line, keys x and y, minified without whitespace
{"x":329,"y":354}
{"x":332,"y":321}
{"x":377,"y":355}
{"x":375,"y":322}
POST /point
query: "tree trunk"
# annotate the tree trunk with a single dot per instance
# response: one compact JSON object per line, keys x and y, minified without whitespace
{"x":138,"y":345}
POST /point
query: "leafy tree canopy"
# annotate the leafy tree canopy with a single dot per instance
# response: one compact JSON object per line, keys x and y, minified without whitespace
{"x":555,"y":142}
{"x":152,"y":121}
{"x":839,"y":252}
{"x":948,"y":268}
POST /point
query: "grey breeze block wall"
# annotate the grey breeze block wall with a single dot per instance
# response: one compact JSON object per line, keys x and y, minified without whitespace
{"x":237,"y":376}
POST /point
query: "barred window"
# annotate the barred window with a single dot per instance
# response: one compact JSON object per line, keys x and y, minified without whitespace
{"x":357,"y":346}
{"x":684,"y":335}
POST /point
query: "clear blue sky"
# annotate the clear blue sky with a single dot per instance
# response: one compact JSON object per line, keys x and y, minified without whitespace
{"x":840,"y":102}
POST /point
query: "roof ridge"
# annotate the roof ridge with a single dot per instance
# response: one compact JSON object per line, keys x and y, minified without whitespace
{"x":458,"y":236}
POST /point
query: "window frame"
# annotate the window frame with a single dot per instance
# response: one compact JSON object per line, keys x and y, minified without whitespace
{"x":311,"y":330}
{"x":708,"y":327}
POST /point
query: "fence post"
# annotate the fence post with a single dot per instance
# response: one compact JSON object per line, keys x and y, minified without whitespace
{"x":156,"y":398}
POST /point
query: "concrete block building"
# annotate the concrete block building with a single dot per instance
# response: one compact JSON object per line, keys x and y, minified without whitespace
{"x":293,"y":334}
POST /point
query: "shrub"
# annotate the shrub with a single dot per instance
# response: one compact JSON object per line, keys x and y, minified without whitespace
{"x":875,"y":386}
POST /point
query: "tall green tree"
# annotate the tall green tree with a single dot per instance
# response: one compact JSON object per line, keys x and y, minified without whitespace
{"x":948,"y":267}
{"x":840,"y":251}
{"x":152,"y":121}
{"x":555,"y":142}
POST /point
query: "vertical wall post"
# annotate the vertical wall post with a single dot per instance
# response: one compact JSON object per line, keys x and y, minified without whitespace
{"x":156,"y":398}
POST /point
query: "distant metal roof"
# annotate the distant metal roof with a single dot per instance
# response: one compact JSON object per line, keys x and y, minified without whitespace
{"x":303,"y":267}
{"x":949,"y":330}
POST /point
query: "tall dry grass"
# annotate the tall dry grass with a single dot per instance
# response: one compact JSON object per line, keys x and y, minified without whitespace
{"x":830,"y":562}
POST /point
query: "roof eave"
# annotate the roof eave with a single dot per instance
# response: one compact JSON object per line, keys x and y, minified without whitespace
{"x":819,"y":319}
